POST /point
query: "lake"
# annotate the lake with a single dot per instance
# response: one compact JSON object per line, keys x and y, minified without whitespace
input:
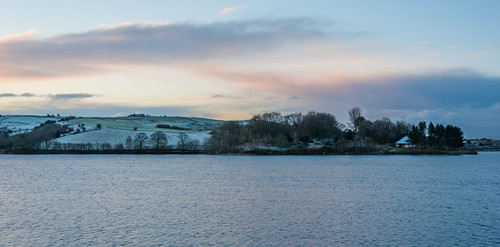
{"x":198,"y":200}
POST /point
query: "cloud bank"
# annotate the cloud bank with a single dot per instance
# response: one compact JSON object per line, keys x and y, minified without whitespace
{"x":71,"y":96}
{"x":50,"y":96}
{"x":147,"y":43}
{"x":437,"y":89}
{"x":12,"y":95}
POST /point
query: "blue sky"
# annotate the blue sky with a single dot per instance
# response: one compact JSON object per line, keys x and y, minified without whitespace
{"x":407,"y":60}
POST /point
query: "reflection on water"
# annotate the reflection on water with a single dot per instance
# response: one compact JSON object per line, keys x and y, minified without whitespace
{"x":247,"y":200}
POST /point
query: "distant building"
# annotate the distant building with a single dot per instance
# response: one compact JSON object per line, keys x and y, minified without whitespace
{"x":404,"y":143}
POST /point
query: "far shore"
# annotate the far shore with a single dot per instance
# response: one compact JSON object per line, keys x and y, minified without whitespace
{"x":394,"y":151}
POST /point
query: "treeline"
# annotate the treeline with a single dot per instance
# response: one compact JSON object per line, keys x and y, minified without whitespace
{"x":167,"y":126}
{"x":320,"y":132}
{"x":158,"y":141}
{"x":273,"y":132}
{"x":141,"y":143}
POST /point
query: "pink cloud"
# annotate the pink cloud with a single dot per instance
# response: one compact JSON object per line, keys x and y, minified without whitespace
{"x":231,"y":9}
{"x":147,"y":43}
{"x":30,"y":34}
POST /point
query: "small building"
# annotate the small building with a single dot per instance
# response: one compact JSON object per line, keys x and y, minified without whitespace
{"x":404,"y":143}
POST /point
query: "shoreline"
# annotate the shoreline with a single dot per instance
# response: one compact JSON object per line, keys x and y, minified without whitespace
{"x":310,"y":152}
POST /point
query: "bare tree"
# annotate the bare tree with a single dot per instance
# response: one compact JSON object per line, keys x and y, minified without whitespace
{"x":105,"y":146}
{"x":129,"y":143}
{"x":356,"y":118}
{"x":193,"y":145}
{"x":159,"y":140}
{"x":296,"y":122}
{"x":183,"y":141}
{"x":139,"y":140}
{"x":119,"y":146}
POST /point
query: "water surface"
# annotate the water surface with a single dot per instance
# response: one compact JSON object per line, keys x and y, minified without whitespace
{"x":193,"y":200}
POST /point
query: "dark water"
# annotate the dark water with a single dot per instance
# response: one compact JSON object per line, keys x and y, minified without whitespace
{"x":252,"y":201}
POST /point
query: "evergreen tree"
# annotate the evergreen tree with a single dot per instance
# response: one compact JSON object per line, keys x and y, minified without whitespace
{"x":454,"y":137}
{"x":440,"y":136}
{"x":431,"y":136}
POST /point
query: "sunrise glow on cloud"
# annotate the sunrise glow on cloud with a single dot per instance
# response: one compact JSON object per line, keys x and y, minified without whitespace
{"x":224,"y":60}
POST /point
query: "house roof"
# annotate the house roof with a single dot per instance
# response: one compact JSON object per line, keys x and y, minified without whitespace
{"x":404,"y":140}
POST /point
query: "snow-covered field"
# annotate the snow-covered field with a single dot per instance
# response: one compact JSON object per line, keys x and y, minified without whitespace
{"x":115,"y":130}
{"x":148,"y":123}
{"x":117,"y":136}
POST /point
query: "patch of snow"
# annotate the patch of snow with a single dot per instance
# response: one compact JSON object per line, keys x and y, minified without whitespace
{"x":117,"y":136}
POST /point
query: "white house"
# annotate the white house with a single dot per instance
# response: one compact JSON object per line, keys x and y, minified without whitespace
{"x":404,"y":143}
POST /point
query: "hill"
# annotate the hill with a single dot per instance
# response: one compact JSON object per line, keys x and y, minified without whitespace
{"x":114,"y":130}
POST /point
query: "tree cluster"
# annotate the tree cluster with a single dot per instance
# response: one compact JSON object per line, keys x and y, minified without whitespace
{"x":382,"y":131}
{"x":167,"y":126}
{"x":35,"y":139}
{"x":275,"y":129}
{"x":159,"y":142}
{"x":298,"y":131}
{"x":436,"y":136}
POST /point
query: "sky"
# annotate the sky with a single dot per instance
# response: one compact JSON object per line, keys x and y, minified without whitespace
{"x":407,"y":60}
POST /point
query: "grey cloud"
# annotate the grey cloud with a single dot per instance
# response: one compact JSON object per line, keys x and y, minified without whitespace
{"x":445,"y":89}
{"x":459,"y":97}
{"x":476,"y":122}
{"x":141,"y":43}
{"x":71,"y":96}
{"x":217,"y":96}
{"x":339,"y":98}
{"x":5,"y":95}
{"x":439,"y":89}
{"x":462,"y":98}
{"x":27,"y":95}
